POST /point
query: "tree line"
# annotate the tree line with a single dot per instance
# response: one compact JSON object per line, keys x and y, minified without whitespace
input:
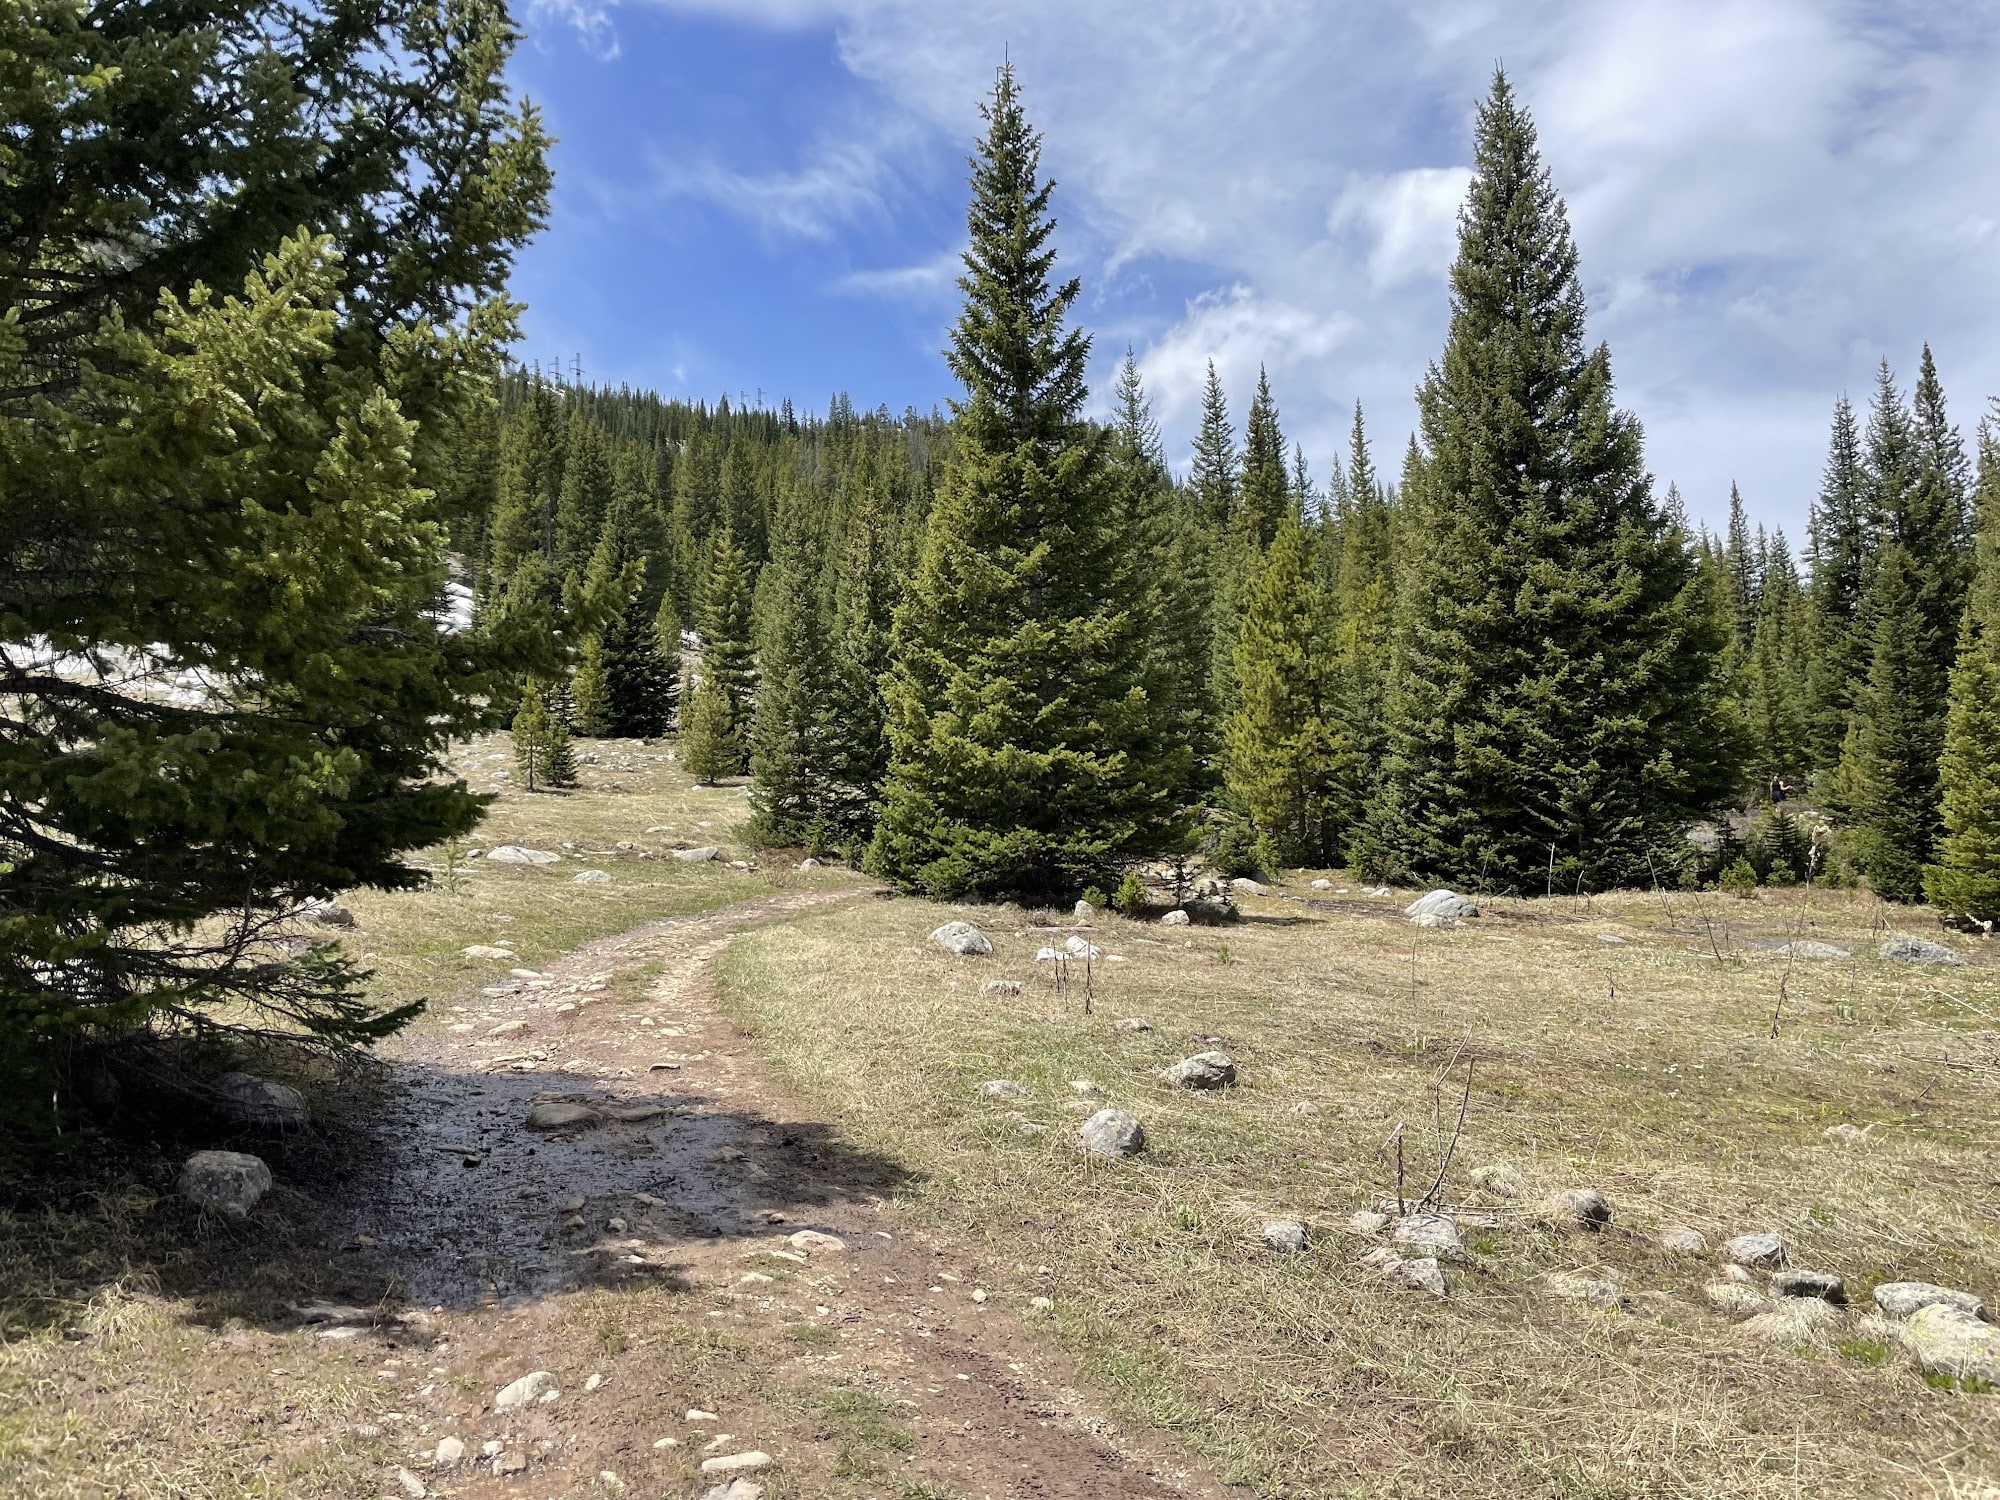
{"x":1010,"y":652}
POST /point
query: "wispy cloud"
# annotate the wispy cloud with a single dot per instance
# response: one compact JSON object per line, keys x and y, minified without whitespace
{"x":931,"y":280}
{"x":589,"y":19}
{"x":838,"y":183}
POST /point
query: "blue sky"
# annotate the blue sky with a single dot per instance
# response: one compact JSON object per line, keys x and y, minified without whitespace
{"x":1769,"y":195}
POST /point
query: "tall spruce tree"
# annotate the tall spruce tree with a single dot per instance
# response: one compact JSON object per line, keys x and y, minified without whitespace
{"x":1289,"y":762}
{"x":1213,"y":477}
{"x":1026,"y":757}
{"x":728,"y":644}
{"x":1265,"y":493}
{"x":1554,"y":702}
{"x":1965,"y":881}
{"x":857,"y":752}
{"x":1775,"y":692}
{"x":1838,"y":553}
{"x":1893,"y":749}
{"x":1744,"y":566}
{"x":1174,"y":557}
{"x":791,"y":731}
{"x":1363,"y":609}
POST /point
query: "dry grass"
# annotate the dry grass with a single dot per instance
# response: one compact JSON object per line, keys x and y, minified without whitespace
{"x":1646,"y":1070}
{"x":137,"y":1350}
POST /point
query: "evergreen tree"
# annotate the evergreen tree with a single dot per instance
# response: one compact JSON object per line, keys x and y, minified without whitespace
{"x":709,"y":747}
{"x":791,"y":734}
{"x":1896,"y":742}
{"x":1745,"y":573}
{"x":857,"y":754}
{"x":586,"y":494}
{"x":249,"y":300}
{"x":1212,"y":479}
{"x":1173,"y":560}
{"x":1287,"y":757}
{"x":590,"y":691}
{"x":1363,"y":608}
{"x":528,"y":483}
{"x":531,"y":734}
{"x":1775,"y":696}
{"x":561,"y":772}
{"x":728,"y":649}
{"x":1965,"y":881}
{"x":632,"y":684}
{"x":1265,"y":494}
{"x":1554,"y":700}
{"x":1025,"y":755}
{"x":1838,"y":554}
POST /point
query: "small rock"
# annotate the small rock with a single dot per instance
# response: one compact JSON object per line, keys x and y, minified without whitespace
{"x":696,"y":1414}
{"x":1001,"y":987}
{"x":592,"y":877}
{"x":1433,"y":1234}
{"x":1134,"y":1023}
{"x":1738,"y":1274}
{"x":1682,"y":1240}
{"x":1901,"y":948}
{"x":1765,"y":1251}
{"x":1611,"y":939}
{"x":1583,"y":1208}
{"x":1810,"y":1284}
{"x":1947,"y":1340}
{"x":1244,"y":886}
{"x":1079,"y":947}
{"x":808,"y":864}
{"x":1735,"y":1299}
{"x":736,"y":1489}
{"x":450,"y":1453}
{"x":610,"y":1480}
{"x":520,"y":1392}
{"x":1796,"y":1322}
{"x":1433,"y":919}
{"x":1112,"y":1133}
{"x":1499,"y":1179}
{"x":1807,"y":948}
{"x":1905,"y":1299}
{"x":1307,"y":1107}
{"x":514,"y":854}
{"x":490,"y":953}
{"x":1083,"y":911}
{"x":699,"y":856}
{"x":1285,"y":1235}
{"x":616,"y":1226}
{"x":1322,"y":885}
{"x":1205,"y":1070}
{"x":1422,"y":1274}
{"x":508,"y":1028}
{"x":1002,"y":1088}
{"x":511,"y":1463}
{"x":558,"y":1115}
{"x":263,"y":1102}
{"x":327,"y":914}
{"x":812,"y":1240}
{"x":963,"y":939}
{"x":1844,"y":1135}
{"x":1367,"y":1222}
{"x":1042,"y":1304}
{"x":410,"y":1485}
{"x":1577,"y":1286}
{"x":1174,"y":918}
{"x":225,"y":1182}
{"x":736,"y":1463}
{"x":1441,"y":904}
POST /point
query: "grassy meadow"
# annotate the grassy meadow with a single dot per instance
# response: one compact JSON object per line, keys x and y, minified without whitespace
{"x":1622,"y":1043}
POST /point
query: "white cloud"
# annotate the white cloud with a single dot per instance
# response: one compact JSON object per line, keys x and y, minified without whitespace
{"x":589,"y":19}
{"x":1768,"y":195}
{"x":924,"y":281}
{"x":839,"y":182}
{"x":1411,"y":219}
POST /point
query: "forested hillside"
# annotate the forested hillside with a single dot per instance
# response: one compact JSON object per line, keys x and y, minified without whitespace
{"x":1513,"y":666}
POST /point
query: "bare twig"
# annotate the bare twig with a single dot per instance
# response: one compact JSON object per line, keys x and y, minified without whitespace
{"x":1447,"y":1149}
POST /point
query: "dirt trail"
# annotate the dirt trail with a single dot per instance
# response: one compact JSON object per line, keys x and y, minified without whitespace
{"x":691,"y":1183}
